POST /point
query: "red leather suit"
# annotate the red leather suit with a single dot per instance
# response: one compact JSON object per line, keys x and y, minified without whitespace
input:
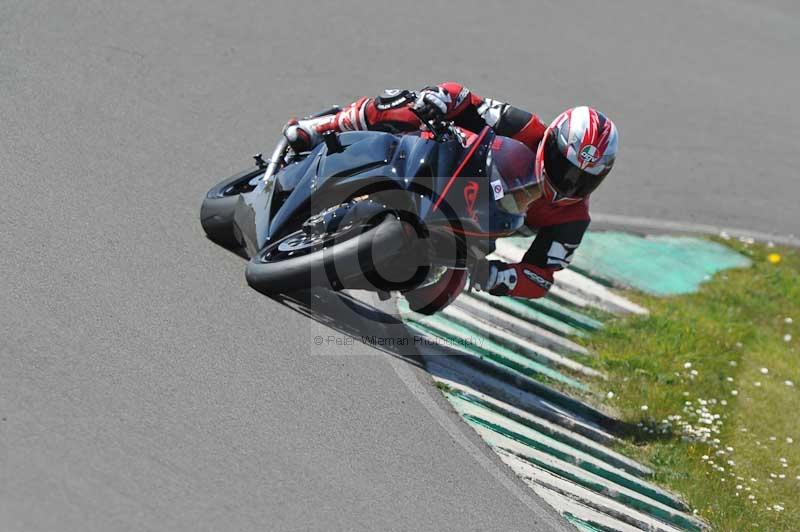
{"x":559,"y":227}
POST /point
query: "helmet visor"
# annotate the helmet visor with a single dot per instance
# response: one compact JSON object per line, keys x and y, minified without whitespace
{"x":566,"y":178}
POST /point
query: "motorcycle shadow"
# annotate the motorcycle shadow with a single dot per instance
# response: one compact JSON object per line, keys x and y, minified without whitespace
{"x":356,"y":318}
{"x":369,"y":322}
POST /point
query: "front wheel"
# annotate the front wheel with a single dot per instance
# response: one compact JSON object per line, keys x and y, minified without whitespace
{"x":216,"y":213}
{"x":377,"y":257}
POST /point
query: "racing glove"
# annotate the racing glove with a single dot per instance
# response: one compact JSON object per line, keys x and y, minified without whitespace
{"x":433,"y":103}
{"x":516,"y":280}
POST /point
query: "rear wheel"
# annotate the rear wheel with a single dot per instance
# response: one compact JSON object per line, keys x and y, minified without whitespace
{"x":432,"y":298}
{"x":379,"y":255}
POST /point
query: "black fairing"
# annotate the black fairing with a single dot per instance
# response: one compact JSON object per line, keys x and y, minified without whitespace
{"x":373,"y":161}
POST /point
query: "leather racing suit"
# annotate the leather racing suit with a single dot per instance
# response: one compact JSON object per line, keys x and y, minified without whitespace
{"x":559,"y":227}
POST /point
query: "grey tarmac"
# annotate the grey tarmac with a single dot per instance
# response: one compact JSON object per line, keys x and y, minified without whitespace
{"x":144,"y":386}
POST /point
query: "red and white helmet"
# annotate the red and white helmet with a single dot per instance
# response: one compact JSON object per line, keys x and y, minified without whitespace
{"x":575,"y":155}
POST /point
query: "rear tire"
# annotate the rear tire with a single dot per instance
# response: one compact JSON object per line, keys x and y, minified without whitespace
{"x":429,"y":300}
{"x":352,"y":263}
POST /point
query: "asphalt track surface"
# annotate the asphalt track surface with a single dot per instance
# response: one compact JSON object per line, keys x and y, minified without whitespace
{"x":143,"y":386}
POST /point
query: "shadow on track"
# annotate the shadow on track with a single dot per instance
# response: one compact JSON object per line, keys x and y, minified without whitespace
{"x":360,"y":316}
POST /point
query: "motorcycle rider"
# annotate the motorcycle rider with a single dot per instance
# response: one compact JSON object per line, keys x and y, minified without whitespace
{"x":572,"y":157}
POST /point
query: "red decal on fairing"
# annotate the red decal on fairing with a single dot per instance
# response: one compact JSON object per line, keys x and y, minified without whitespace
{"x":475,"y":144}
{"x":470,"y":196}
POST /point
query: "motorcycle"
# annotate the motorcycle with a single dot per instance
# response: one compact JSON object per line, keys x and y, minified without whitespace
{"x":379,"y":211}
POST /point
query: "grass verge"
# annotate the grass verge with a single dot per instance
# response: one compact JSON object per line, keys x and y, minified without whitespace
{"x":712,"y":378}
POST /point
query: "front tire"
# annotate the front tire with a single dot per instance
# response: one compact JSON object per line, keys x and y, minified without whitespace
{"x":216,"y":212}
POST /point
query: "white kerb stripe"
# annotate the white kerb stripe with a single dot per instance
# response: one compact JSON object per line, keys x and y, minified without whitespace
{"x":577,"y":283}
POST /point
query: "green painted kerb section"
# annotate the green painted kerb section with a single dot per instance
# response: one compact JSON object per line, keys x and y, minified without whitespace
{"x":491,"y":351}
{"x":658,"y":265}
{"x":580,"y":524}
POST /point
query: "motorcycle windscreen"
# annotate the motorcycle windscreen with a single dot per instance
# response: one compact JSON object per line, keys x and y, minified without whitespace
{"x":512,"y":166}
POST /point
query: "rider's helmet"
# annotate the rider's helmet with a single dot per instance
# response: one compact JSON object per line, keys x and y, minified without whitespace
{"x":512,"y":164}
{"x":575,"y":155}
